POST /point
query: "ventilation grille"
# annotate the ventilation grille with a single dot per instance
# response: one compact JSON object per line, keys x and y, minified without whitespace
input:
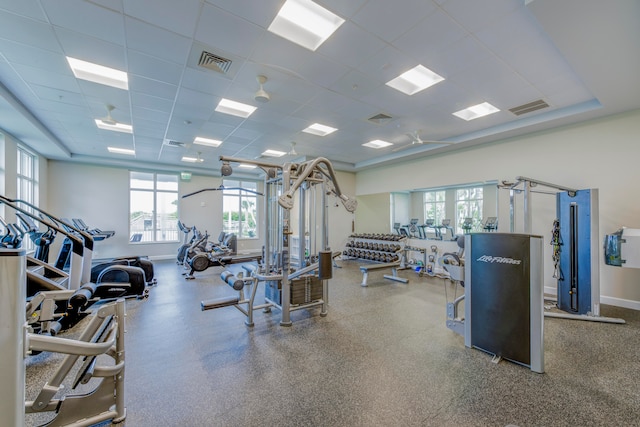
{"x":172,"y":143}
{"x":528,"y":108}
{"x":214,"y":62}
{"x":379,"y":118}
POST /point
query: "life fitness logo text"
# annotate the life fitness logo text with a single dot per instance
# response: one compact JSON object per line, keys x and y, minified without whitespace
{"x":499,"y":260}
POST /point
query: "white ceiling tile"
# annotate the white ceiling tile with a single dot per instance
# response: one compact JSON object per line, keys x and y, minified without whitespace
{"x":205,"y":81}
{"x":197,"y":99}
{"x":159,"y":117}
{"x":350,"y":45}
{"x":155,"y":41}
{"x":90,"y":49}
{"x":47,"y":93}
{"x":28,"y":31}
{"x":512,"y":32}
{"x":322,"y":72}
{"x":115,"y":6}
{"x":388,"y":21}
{"x":149,"y":129}
{"x":434,"y":33}
{"x":48,"y":61}
{"x":387,"y":64}
{"x":225,"y":31}
{"x":177,"y":16}
{"x":155,"y":88}
{"x":344,"y":9}
{"x":245,"y":134}
{"x":217,"y":129}
{"x":86,"y":18}
{"x":476,"y":15}
{"x":154,"y":68}
{"x":359,"y":110}
{"x":353,"y":85}
{"x":259,"y":12}
{"x":292,"y":123}
{"x":192,"y":112}
{"x":143,"y":100}
{"x":462,"y":54}
{"x":107,"y":94}
{"x":277,"y":106}
{"x":37,"y":76}
{"x":26,"y":8}
{"x":488,"y":77}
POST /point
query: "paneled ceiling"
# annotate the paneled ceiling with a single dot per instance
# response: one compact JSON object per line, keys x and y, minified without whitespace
{"x":581,"y":57}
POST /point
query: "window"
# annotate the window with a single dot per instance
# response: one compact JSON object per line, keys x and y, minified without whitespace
{"x":27,"y":184}
{"x":153,"y":207}
{"x":468,"y":205}
{"x":434,"y":206}
{"x":240,"y":209}
{"x":26,"y":177}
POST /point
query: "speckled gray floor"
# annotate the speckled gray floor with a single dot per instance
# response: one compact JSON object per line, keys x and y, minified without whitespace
{"x":382,"y":357}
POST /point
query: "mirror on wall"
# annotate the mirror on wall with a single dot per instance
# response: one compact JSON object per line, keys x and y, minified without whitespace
{"x":441,"y":213}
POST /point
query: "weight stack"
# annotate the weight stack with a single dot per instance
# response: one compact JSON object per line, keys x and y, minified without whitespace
{"x":303,"y":290}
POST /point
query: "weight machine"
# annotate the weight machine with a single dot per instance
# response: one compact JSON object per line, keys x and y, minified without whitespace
{"x":575,"y":244}
{"x":102,"y":338}
{"x":295,"y":277}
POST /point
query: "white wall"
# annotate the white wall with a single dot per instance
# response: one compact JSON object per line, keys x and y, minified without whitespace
{"x":373,"y":214}
{"x":599,"y":154}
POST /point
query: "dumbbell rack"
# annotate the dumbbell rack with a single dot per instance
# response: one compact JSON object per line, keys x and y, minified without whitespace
{"x":385,"y":248}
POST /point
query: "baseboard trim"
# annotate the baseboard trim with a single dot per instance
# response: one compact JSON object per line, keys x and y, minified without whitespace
{"x":618,"y":302}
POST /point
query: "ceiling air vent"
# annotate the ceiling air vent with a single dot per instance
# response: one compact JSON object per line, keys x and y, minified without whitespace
{"x":214,"y":62}
{"x":172,"y":143}
{"x":528,"y":108}
{"x":379,"y":118}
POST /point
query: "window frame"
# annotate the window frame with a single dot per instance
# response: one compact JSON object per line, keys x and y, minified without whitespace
{"x":468,"y":201}
{"x":435,"y":203}
{"x":240,"y":195}
{"x":155,"y":190}
{"x":30,"y":179}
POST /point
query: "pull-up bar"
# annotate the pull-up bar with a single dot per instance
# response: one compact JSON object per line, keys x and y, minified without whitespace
{"x":527,"y":184}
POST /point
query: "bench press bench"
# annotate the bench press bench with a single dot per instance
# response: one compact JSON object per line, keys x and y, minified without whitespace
{"x":365,"y":269}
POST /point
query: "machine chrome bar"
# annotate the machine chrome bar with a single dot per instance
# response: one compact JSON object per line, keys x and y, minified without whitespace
{"x":520,"y":179}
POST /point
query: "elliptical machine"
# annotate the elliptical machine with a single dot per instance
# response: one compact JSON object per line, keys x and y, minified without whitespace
{"x":42,"y":309}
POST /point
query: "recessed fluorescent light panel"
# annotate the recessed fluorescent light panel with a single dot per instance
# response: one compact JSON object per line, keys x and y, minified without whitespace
{"x":305,"y":23}
{"x":235,"y":108}
{"x":191,"y":159}
{"x":273,"y":153}
{"x":206,"y":141}
{"x":416,"y":79}
{"x":246,"y":166}
{"x":122,"y":151}
{"x":377,"y":144}
{"x":320,"y":130}
{"x":117,"y":127}
{"x":98,"y":73}
{"x":476,"y":111}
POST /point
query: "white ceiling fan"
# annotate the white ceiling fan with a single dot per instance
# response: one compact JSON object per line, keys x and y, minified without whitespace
{"x":108,"y":120}
{"x":293,"y":151}
{"x":417,"y":140}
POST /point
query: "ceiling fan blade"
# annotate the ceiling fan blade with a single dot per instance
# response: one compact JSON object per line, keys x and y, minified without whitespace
{"x":438,"y":142}
{"x":415,"y":144}
{"x":403,"y":147}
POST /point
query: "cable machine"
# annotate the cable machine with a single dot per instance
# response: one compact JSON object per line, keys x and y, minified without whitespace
{"x":295,"y":273}
{"x":575,"y":244}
